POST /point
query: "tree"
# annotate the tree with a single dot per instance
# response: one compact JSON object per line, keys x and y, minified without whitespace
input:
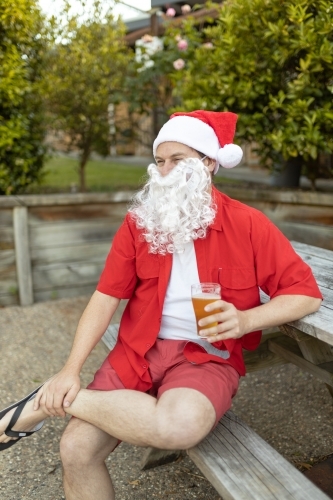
{"x":272,"y":63}
{"x":21,"y":115}
{"x":87,"y":62}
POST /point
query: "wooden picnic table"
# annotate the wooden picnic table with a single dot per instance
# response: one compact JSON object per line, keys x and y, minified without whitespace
{"x":308,"y":342}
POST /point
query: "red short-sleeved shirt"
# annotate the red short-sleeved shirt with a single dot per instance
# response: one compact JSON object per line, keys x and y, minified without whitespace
{"x":243,"y":251}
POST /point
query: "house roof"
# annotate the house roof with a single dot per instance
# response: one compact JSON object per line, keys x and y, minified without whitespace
{"x":136,"y":33}
{"x":162,"y":3}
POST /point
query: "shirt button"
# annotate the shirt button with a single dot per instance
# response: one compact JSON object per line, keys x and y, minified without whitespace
{"x":148,"y":345}
{"x":144,"y":366}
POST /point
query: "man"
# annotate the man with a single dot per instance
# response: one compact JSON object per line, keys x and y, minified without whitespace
{"x":162,"y":385}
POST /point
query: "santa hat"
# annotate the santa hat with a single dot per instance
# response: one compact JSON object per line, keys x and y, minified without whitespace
{"x":209,"y":132}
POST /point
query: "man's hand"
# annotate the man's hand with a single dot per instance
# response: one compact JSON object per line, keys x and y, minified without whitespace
{"x":231,"y":322}
{"x":58,"y":392}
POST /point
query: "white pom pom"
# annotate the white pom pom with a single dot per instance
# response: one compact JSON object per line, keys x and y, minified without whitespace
{"x":230,"y":155}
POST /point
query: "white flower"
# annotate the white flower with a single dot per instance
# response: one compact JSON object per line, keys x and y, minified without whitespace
{"x":179,"y":64}
{"x":186,"y":9}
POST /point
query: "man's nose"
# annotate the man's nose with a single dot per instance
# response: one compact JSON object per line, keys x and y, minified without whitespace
{"x":167,"y":167}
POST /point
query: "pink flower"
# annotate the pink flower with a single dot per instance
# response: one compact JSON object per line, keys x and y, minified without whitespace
{"x":179,"y":64}
{"x":182,"y":44}
{"x":186,"y":9}
{"x":208,"y":45}
{"x":171,"y":12}
{"x":147,"y":38}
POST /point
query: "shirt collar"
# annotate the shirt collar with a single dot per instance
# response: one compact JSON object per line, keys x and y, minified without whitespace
{"x":217,"y":223}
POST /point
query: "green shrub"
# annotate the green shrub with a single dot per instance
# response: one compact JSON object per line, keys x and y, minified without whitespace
{"x":21,"y":118}
{"x":272,"y":63}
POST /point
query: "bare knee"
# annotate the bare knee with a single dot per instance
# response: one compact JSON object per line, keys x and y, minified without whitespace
{"x":179,"y":431}
{"x":82,"y":445}
{"x":73,"y":451}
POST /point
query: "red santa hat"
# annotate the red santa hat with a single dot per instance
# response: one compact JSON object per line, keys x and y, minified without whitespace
{"x":209,"y":132}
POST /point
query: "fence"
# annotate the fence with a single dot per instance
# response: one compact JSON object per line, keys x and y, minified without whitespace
{"x":55,"y":246}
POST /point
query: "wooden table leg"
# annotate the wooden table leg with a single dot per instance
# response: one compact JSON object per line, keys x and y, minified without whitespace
{"x":314,"y":350}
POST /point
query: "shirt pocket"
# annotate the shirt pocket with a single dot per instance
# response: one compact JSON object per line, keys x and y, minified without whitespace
{"x":238,"y":286}
{"x":147,"y":268}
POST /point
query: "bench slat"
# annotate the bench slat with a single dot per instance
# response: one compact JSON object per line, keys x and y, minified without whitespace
{"x":242,"y":466}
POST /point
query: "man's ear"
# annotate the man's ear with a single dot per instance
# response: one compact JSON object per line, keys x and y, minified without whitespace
{"x":211,"y":163}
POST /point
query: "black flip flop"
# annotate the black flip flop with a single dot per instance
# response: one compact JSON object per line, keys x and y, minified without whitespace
{"x":19,"y":405}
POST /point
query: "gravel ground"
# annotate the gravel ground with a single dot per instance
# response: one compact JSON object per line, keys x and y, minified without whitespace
{"x":289,"y":408}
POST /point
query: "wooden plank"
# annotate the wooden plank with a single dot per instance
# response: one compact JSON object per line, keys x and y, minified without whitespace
{"x":50,"y":276}
{"x":242,"y":466}
{"x":318,"y":325}
{"x":110,"y":336}
{"x":6,"y":217}
{"x":111,"y":211}
{"x":8,"y":282}
{"x":246,"y":195}
{"x":6,"y":238}
{"x":8,"y":278}
{"x":41,"y":200}
{"x":321,"y":268}
{"x":64,"y":292}
{"x":289,"y":349}
{"x":7,"y":261}
{"x":304,"y":249}
{"x":262,"y":358}
{"x":293,"y":197}
{"x":96,"y":251}
{"x":154,"y":457}
{"x":307,"y":233}
{"x":68,"y":233}
{"x":9,"y":300}
{"x":23,"y":264}
{"x":312,"y":349}
{"x":312,"y":214}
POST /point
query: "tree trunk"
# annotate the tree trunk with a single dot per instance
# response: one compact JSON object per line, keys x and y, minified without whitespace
{"x":287,"y":173}
{"x":82,"y":170}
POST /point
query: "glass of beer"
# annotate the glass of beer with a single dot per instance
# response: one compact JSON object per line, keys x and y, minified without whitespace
{"x":203,"y":294}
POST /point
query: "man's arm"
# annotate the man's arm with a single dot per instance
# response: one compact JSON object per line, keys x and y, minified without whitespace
{"x":63,"y":387}
{"x":233,"y":324}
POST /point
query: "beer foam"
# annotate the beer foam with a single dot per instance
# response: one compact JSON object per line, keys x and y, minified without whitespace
{"x":205,"y":296}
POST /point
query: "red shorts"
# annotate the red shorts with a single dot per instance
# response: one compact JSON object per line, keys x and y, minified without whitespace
{"x":169,"y":369}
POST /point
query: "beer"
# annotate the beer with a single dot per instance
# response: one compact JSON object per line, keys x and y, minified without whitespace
{"x":203,"y":294}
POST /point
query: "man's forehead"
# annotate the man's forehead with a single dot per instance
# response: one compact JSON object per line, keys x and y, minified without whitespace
{"x":173,"y":149}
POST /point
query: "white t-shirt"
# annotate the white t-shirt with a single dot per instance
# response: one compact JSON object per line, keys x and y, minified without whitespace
{"x":178,"y":319}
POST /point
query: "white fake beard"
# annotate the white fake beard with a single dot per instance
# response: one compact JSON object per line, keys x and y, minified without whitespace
{"x":175,"y":209}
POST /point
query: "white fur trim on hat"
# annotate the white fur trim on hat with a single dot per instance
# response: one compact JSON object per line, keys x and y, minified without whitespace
{"x":189,"y":131}
{"x":230,"y":155}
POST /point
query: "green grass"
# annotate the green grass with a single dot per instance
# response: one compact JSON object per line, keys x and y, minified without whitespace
{"x":101,"y":175}
{"x":60,"y":175}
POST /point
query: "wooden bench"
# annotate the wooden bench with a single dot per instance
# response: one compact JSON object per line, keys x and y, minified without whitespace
{"x":237,"y":462}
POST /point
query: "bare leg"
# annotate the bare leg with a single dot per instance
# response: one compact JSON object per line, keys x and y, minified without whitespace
{"x":179,"y":419}
{"x":84,"y":449}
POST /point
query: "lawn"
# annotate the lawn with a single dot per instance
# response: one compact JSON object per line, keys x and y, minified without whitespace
{"x":60,"y":175}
